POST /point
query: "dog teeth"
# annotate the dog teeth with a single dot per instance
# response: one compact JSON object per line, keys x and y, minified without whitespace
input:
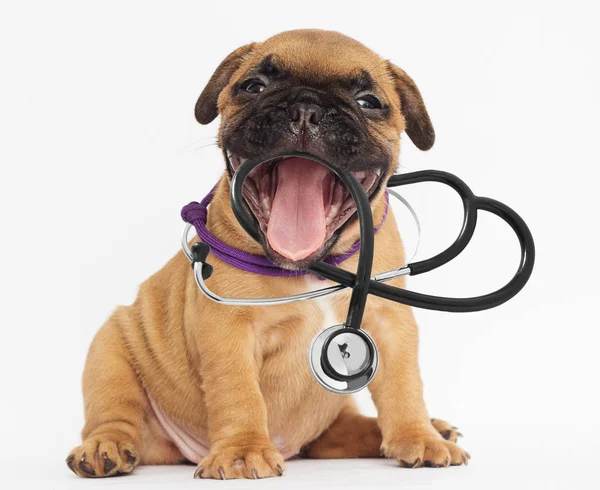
{"x":236,"y":161}
{"x":369,"y":182}
{"x":332,"y":183}
{"x":367,"y":178}
{"x":336,"y":202}
{"x":348,"y":203}
{"x":265,"y":194}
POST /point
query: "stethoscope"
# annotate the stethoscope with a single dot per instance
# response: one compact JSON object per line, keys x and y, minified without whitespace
{"x":343,"y":358}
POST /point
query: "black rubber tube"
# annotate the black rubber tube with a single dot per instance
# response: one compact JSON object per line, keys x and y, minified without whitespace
{"x":456,"y":305}
{"x":361,"y":283}
{"x":360,"y":280}
{"x":469,"y":220}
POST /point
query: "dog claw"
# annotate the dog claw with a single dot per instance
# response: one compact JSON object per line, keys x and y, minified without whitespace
{"x":254,"y":474}
{"x":131,"y":459}
{"x":69,"y":462}
{"x":85,"y":466}
{"x":414,"y":464}
{"x":221,"y":473}
{"x":198,"y":472}
{"x":459,"y":434}
{"x":279,"y":470}
{"x":109,"y":464}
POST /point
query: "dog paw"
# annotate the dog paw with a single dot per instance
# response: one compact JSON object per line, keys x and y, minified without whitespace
{"x":102,"y":456}
{"x":447,"y":431}
{"x":414,"y":446}
{"x":241,"y":457}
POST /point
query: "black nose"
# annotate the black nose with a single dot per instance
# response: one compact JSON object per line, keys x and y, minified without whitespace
{"x":305,"y":114}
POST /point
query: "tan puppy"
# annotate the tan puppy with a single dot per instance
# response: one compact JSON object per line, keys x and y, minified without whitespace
{"x":177,"y":377}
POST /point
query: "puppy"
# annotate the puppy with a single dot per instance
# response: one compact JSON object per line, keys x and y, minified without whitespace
{"x":176,"y":377}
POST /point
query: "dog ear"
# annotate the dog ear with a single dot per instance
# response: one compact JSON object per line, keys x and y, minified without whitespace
{"x":206,"y":106}
{"x":418,"y":125}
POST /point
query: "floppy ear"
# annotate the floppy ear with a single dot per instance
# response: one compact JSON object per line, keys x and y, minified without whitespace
{"x":206,"y":107}
{"x":418,"y":125}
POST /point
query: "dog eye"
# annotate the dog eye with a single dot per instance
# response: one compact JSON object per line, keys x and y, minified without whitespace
{"x":253,"y":86}
{"x":368,"y":102}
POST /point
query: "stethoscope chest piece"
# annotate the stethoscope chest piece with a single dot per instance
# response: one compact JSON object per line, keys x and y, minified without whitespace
{"x":342,"y":359}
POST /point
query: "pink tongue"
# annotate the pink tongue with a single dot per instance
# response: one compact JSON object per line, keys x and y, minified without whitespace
{"x":297,"y":225}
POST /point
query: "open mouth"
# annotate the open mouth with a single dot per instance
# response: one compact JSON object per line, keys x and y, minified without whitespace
{"x":300,"y":204}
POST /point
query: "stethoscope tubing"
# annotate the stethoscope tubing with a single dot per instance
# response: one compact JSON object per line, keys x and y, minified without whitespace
{"x":471,"y":204}
{"x":360,"y":283}
{"x":469,"y":214}
{"x":279,"y":300}
{"x":199,"y":267}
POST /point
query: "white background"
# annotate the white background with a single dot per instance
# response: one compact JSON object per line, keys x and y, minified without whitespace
{"x":100,"y":151}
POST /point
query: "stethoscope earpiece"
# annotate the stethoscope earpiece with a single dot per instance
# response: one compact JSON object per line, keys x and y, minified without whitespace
{"x":342,"y":359}
{"x":200,"y":251}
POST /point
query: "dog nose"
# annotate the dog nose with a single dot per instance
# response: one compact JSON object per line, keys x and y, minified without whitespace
{"x":305,"y":114}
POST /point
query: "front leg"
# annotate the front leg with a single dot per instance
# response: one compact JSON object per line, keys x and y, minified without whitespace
{"x":408,"y":434}
{"x":237,"y":417}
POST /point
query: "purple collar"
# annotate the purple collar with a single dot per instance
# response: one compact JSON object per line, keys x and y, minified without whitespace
{"x":197,"y":214}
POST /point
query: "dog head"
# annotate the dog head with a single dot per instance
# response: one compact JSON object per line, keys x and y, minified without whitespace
{"x":324,"y":94}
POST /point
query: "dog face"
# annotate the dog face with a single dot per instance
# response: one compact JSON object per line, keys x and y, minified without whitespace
{"x":324,"y":94}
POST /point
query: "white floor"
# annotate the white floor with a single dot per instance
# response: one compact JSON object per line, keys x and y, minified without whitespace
{"x":504,"y":457}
